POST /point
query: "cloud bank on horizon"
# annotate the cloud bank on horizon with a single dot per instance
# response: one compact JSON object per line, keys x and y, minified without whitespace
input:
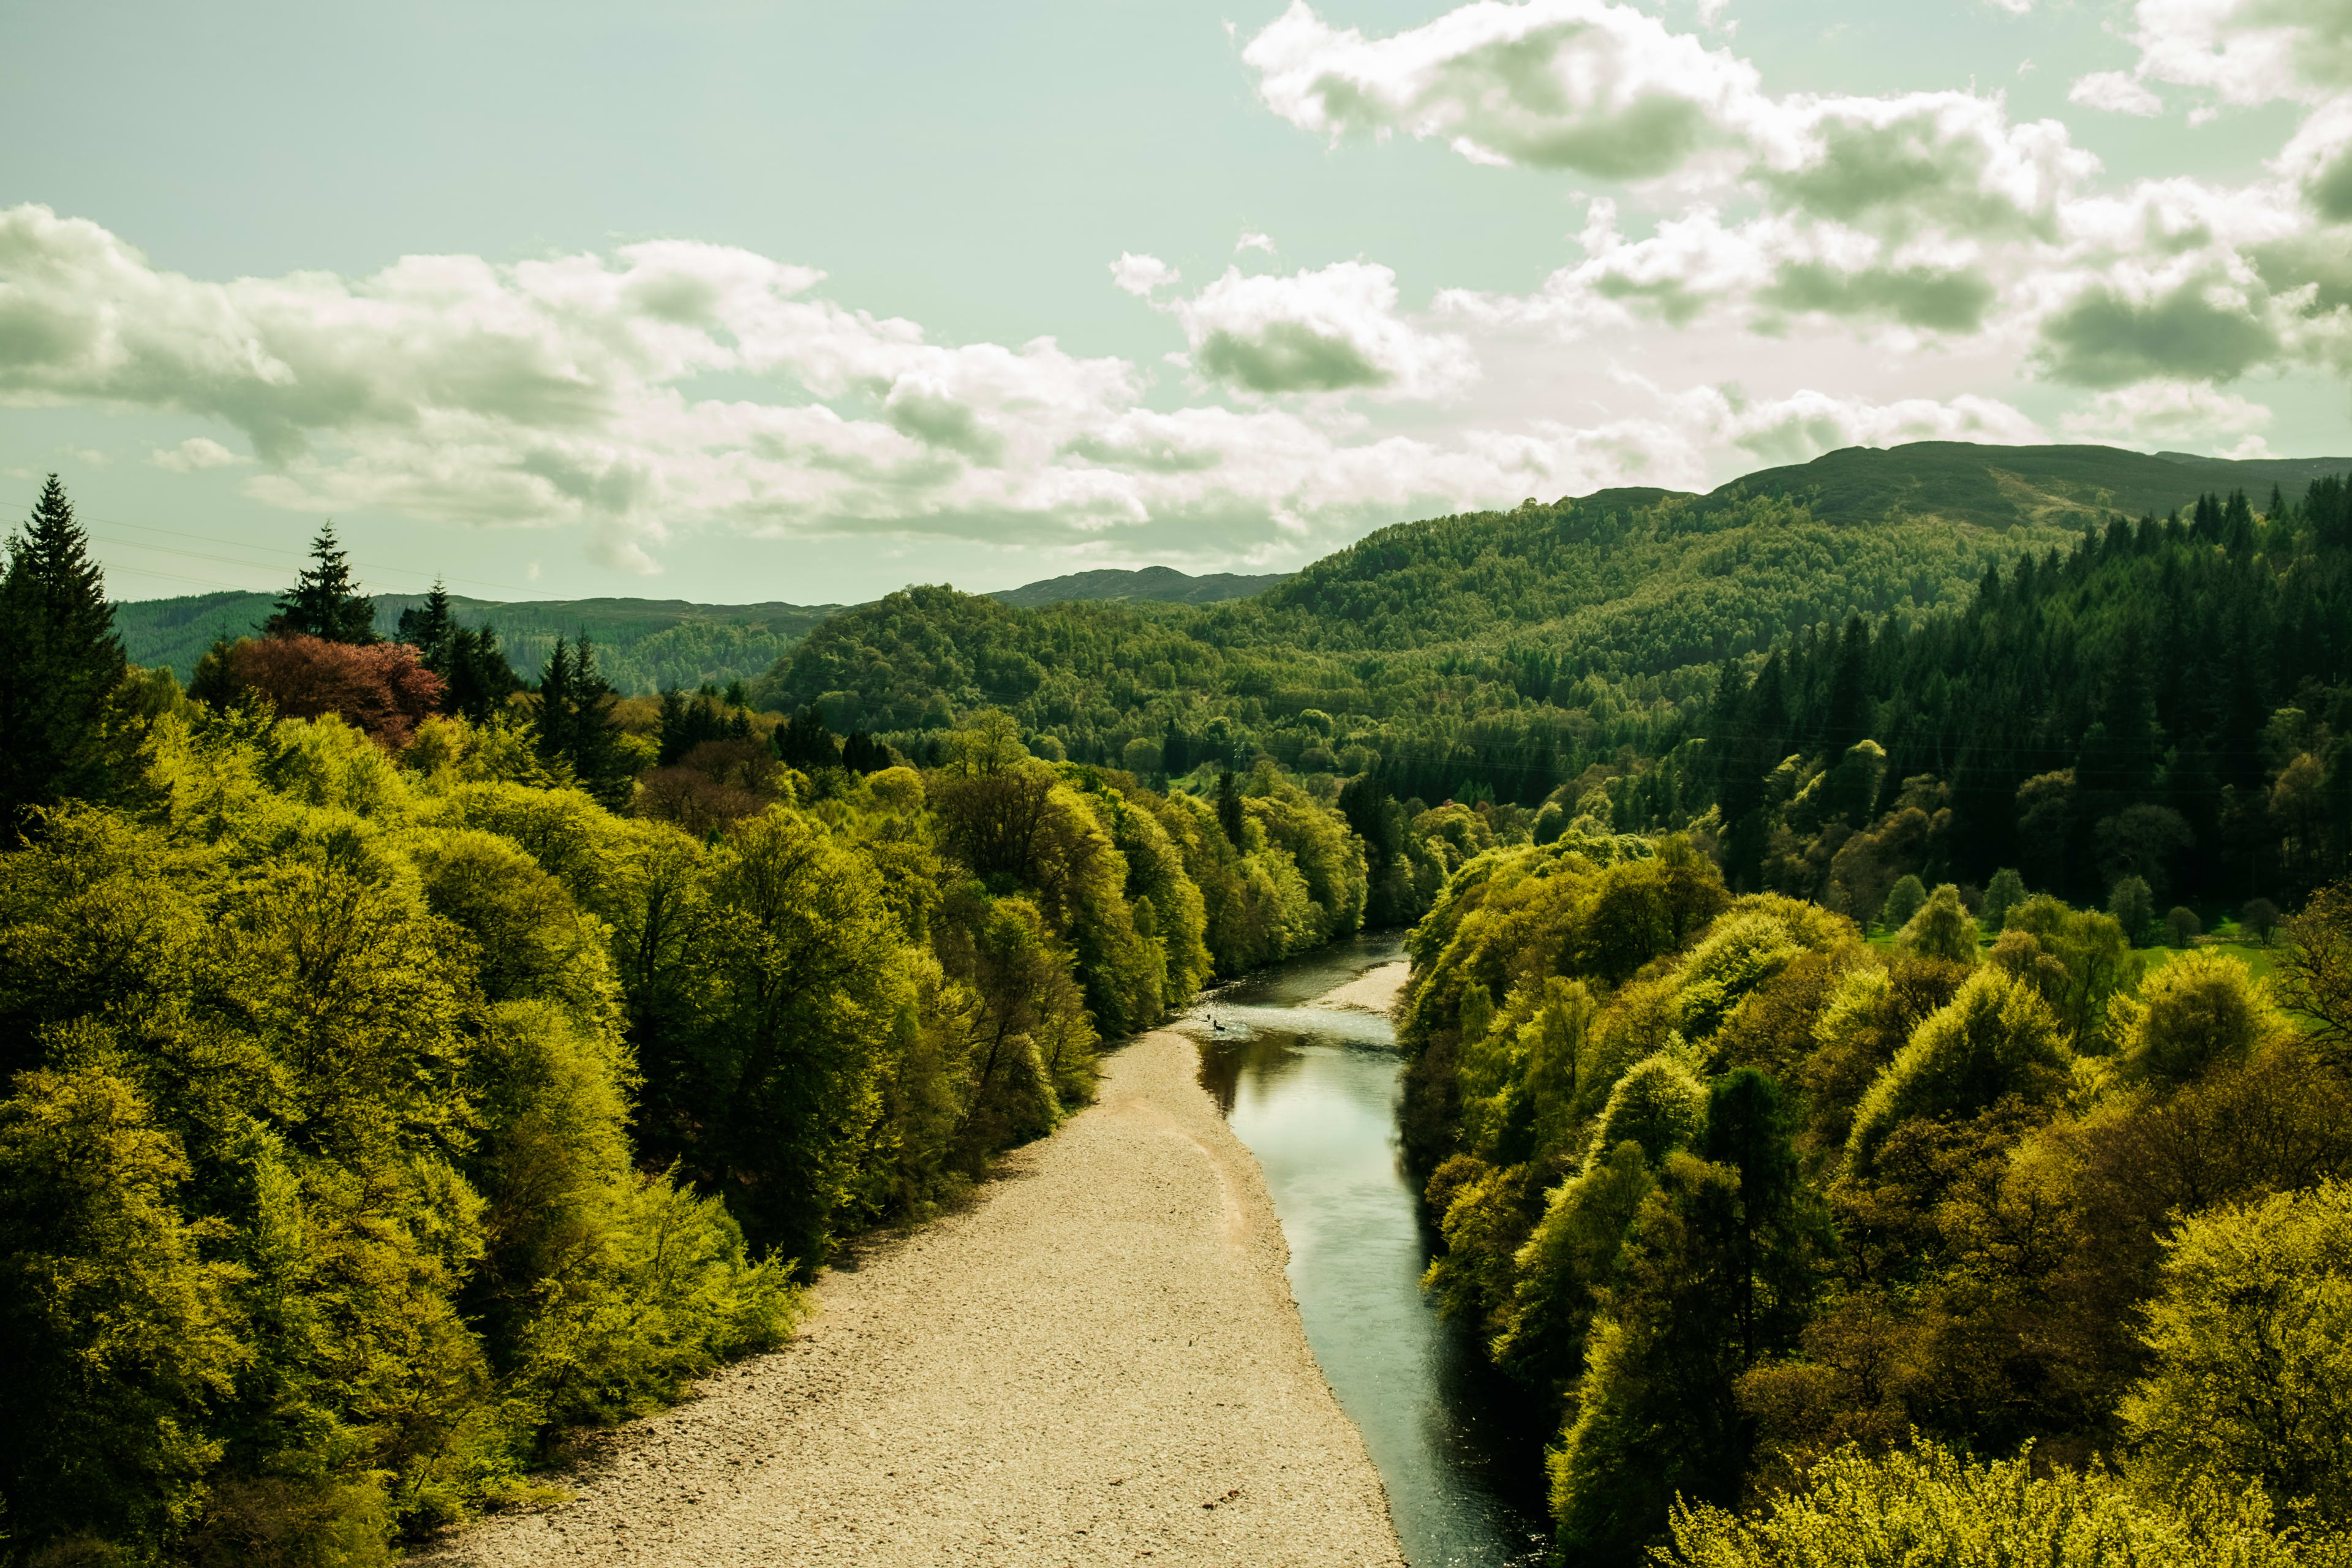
{"x":680,"y":383}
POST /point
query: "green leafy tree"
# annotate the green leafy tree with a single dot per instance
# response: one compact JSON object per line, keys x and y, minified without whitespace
{"x":1903,"y":901}
{"x":1995,"y":1037}
{"x":2006,"y":891}
{"x":1941,"y":929}
{"x":2200,"y":1010}
{"x":1934,"y":1505}
{"x":2251,"y":1342}
{"x":121,"y":1335}
{"x":324,"y":601}
{"x":60,"y":662}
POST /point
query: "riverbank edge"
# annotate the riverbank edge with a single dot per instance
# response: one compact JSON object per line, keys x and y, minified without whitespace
{"x":1151,"y":1080}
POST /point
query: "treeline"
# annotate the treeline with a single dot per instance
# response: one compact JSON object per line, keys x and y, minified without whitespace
{"x":1498,"y":655}
{"x":2169,"y":702}
{"x":387,"y":1094}
{"x":1834,"y":1253}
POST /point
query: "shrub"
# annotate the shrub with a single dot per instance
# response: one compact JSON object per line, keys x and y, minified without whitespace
{"x":2181,"y":926}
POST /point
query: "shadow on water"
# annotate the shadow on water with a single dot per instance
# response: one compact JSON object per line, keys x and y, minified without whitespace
{"x":1313,"y":1092}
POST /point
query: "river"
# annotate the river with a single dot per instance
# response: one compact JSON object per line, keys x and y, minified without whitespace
{"x":1313,"y":1092}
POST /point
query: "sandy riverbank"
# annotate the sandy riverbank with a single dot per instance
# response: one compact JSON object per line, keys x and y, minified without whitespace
{"x":1374,"y":991}
{"x":1100,"y":1360}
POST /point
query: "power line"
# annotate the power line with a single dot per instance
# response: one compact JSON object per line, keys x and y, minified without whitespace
{"x":274,"y":550}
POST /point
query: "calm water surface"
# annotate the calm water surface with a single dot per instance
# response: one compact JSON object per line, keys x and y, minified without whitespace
{"x":1313,"y":1092}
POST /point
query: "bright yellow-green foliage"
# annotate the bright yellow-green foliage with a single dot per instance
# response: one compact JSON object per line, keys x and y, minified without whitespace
{"x":1941,"y":929}
{"x":1740,"y":1191}
{"x":1996,"y":1038}
{"x":2251,"y":1341}
{"x":2201,"y":1008}
{"x":370,"y":1117}
{"x":319,"y":1205}
{"x":1932,"y":1506}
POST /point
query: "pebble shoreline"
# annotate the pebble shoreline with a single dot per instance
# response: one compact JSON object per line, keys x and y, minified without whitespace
{"x":1098,"y":1360}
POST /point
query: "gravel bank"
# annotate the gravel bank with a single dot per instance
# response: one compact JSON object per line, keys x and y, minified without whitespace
{"x":1098,"y":1362}
{"x":1374,"y":991}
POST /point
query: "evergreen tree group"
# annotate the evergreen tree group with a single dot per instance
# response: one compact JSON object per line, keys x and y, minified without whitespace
{"x":577,"y":731}
{"x":477,"y":679}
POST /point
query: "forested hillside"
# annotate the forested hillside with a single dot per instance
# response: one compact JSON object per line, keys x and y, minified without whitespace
{"x":1501,"y":653}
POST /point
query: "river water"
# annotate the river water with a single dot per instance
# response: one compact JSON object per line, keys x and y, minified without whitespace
{"x":1313,"y":1092}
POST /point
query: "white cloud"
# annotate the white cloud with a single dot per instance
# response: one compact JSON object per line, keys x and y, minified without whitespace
{"x":1254,"y":241}
{"x":1801,"y":428}
{"x":562,"y":393}
{"x":1333,"y":330}
{"x":1139,"y":275}
{"x":2116,"y":92}
{"x":1566,"y":84}
{"x":2170,"y":413}
{"x":2247,"y":51}
{"x":194,"y":456}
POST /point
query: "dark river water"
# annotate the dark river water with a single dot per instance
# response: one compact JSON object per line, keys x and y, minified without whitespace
{"x":1313,"y":1092}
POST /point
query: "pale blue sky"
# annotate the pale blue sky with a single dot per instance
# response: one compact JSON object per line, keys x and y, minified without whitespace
{"x":1392,"y":347}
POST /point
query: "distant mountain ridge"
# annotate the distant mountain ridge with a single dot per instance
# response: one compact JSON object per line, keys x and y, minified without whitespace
{"x":2000,"y":486}
{"x":1161,"y":584}
{"x":643,"y":644}
{"x":1987,"y":491}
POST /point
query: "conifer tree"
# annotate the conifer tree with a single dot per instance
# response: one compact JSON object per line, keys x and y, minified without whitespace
{"x":324,"y":601}
{"x":1229,"y":807}
{"x":60,"y":661}
{"x":431,"y":628}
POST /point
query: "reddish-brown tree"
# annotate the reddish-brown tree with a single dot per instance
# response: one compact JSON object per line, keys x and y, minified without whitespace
{"x":382,"y":689}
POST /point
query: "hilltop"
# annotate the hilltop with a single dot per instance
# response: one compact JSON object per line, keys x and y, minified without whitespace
{"x":1158,"y":585}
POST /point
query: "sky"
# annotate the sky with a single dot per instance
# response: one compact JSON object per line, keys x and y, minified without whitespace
{"x":736,"y":302}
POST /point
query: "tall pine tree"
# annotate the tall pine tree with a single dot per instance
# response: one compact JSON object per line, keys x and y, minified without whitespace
{"x":324,"y":601}
{"x":59,"y":664}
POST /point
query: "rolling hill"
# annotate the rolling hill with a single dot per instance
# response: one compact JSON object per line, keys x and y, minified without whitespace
{"x":1160,"y":585}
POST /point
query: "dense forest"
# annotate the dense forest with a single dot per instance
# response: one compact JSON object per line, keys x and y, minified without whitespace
{"x":1876,"y":1046}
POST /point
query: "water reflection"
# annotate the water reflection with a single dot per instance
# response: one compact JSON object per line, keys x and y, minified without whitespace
{"x":1313,"y":1092}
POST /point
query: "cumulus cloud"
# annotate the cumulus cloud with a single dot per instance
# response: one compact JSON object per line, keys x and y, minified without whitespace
{"x":2170,"y":413}
{"x":563,"y":392}
{"x":2116,"y":92}
{"x":1921,"y":161}
{"x":1601,"y":88}
{"x":1336,"y":329}
{"x":2246,"y":52}
{"x":1799,"y":427}
{"x":1139,"y":275}
{"x":194,"y":456}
